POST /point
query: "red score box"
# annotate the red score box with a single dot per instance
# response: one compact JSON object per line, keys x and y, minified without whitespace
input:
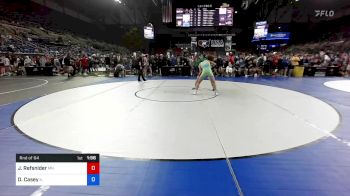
{"x":93,"y":168}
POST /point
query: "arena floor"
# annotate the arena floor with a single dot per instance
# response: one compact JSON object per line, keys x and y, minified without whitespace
{"x":259,"y":136}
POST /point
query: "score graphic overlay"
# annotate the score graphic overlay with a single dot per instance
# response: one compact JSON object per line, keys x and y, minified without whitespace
{"x":57,"y":169}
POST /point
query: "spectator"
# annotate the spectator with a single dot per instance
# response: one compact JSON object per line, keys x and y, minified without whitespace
{"x":42,"y":61}
{"x":285,"y":64}
{"x":294,"y":62}
{"x":231,"y":58}
{"x":326,"y":60}
{"x":220,"y":66}
{"x":68,"y":65}
{"x":140,"y":67}
{"x":229,"y":69}
{"x":145,"y":64}
{"x":28,"y":62}
{"x":108,"y":62}
{"x":84,"y":64}
{"x":173,"y":60}
{"x":57,"y":64}
{"x":20,"y":69}
{"x":91,"y":64}
{"x":152,"y":65}
{"x":2,"y":66}
{"x":6,"y":61}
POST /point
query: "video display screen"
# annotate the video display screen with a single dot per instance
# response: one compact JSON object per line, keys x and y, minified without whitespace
{"x":148,"y":32}
{"x":261,"y":30}
{"x":204,"y":17}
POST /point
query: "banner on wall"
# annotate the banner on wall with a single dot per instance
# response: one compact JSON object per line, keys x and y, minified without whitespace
{"x":278,"y":36}
{"x":217,"y":43}
{"x":228,"y":43}
{"x":204,"y":43}
{"x":193,"y":43}
{"x":211,"y":43}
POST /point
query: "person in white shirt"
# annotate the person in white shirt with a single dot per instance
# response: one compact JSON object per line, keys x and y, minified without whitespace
{"x":326,"y":60}
{"x":14,"y":67}
{"x":229,"y":69}
{"x":7,"y":65}
{"x":42,"y":61}
{"x":27,"y":62}
{"x":57,"y":64}
{"x":6,"y":62}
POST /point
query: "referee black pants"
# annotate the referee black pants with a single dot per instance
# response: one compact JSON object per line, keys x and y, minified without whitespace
{"x":141,"y":74}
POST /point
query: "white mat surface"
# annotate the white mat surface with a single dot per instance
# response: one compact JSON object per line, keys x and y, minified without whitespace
{"x":245,"y":119}
{"x":342,"y":85}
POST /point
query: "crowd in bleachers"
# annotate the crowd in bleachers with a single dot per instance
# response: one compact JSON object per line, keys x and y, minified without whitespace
{"x":231,"y":65}
{"x":281,"y":63}
{"x":70,"y":63}
{"x":249,"y":64}
{"x":31,"y":45}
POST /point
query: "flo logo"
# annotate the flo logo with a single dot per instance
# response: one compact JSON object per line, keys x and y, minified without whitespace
{"x":324,"y":13}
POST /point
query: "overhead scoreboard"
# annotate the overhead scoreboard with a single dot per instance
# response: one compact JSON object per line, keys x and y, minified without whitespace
{"x":204,"y":17}
{"x":57,"y":169}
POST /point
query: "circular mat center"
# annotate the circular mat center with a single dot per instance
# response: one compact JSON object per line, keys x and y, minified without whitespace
{"x":174,"y":94}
